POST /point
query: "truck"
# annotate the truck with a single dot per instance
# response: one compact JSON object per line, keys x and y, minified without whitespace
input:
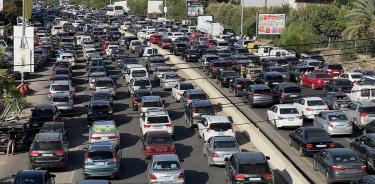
{"x":124,"y":5}
{"x":207,"y":25}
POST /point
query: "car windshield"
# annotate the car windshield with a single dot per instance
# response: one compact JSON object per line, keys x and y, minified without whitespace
{"x":159,"y":140}
{"x":101,"y":96}
{"x":337,"y":117}
{"x":220,"y":126}
{"x":186,"y":86}
{"x":28,"y":180}
{"x":349,"y":158}
{"x":139,"y":73}
{"x":157,"y":119}
{"x":225,"y":144}
{"x":165,"y":70}
{"x":288,"y":111}
{"x":142,"y":83}
{"x":100,"y":108}
{"x":48,"y":145}
{"x":104,"y":83}
{"x":42,"y":112}
{"x":198,"y":96}
{"x":104,"y":128}
{"x":60,"y":99}
{"x":321,"y":75}
{"x":317,"y":135}
{"x":60,"y":87}
{"x":357,"y":76}
{"x":100,"y":155}
{"x":292,"y":90}
{"x":229,"y":74}
{"x":254,"y":168}
{"x":166,"y":165}
{"x":315,"y":102}
{"x":172,"y":76}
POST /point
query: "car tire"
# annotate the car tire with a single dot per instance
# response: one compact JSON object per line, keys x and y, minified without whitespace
{"x":315,"y":166}
{"x":300,"y":151}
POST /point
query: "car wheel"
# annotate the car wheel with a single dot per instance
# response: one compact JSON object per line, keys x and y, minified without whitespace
{"x":315,"y":166}
{"x":300,"y":151}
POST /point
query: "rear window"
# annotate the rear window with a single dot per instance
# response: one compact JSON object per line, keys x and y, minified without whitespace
{"x":43,"y":113}
{"x":152,"y":104}
{"x":220,"y":126}
{"x":139,"y":73}
{"x":100,"y":155}
{"x":60,"y":88}
{"x":317,"y":135}
{"x":289,"y":111}
{"x":142,"y":83}
{"x":158,"y":119}
{"x":186,"y":86}
{"x":275,"y":78}
{"x":104,"y":128}
{"x":292,"y":90}
{"x":225,"y":144}
{"x":278,"y":69}
{"x":315,"y":102}
{"x":49,"y":145}
{"x":198,"y":96}
{"x":254,"y":168}
{"x":370,"y":110}
{"x":337,"y":117}
{"x":104,"y":83}
{"x":262,"y":91}
{"x":159,"y":140}
{"x":165,"y":165}
{"x":349,"y":158}
{"x":100,"y":108}
{"x":60,"y":99}
{"x":203,"y":110}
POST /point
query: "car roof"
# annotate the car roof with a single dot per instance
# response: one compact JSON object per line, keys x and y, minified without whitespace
{"x":165,"y":157}
{"x":250,"y":157}
{"x":43,"y":106}
{"x":201,"y":103}
{"x":285,"y":106}
{"x":54,"y":124}
{"x":311,"y":129}
{"x":272,"y":73}
{"x":99,"y":102}
{"x":40,"y":137}
{"x":218,"y":118}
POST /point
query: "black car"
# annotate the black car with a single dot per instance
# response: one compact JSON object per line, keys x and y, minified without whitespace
{"x":338,"y":85}
{"x":190,"y":55}
{"x":44,"y":112}
{"x":236,"y":85}
{"x":337,"y":100}
{"x":34,"y":177}
{"x":217,"y":65}
{"x":195,"y":110}
{"x":24,"y":136}
{"x":286,"y":92}
{"x":178,"y":48}
{"x":247,"y":167}
{"x":309,"y":140}
{"x":225,"y":76}
{"x":364,"y":146}
{"x":56,"y":127}
{"x":99,"y":110}
{"x":48,"y":150}
{"x":270,"y":78}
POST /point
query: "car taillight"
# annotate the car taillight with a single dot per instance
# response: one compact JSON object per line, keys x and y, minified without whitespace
{"x":168,"y":125}
{"x":113,"y":137}
{"x":337,"y":168}
{"x":310,"y":109}
{"x":256,"y":94}
{"x":181,"y":175}
{"x":329,"y":70}
{"x":94,"y":137}
{"x":59,"y":152}
{"x":309,"y":146}
{"x":146,"y":126}
{"x":152,"y":176}
{"x":267,"y":176}
{"x":214,"y":154}
{"x":332,"y":145}
{"x":34,"y":153}
{"x":239,"y":177}
{"x":363,"y":115}
{"x":362,"y":167}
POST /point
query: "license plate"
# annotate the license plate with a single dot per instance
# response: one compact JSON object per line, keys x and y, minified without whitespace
{"x":293,"y":95}
{"x":167,"y":178}
{"x":255,"y":179}
{"x":158,"y":127}
{"x":321,"y":146}
{"x":193,"y":55}
{"x":47,"y":155}
{"x":221,"y":133}
{"x":100,"y":163}
{"x":290,"y":119}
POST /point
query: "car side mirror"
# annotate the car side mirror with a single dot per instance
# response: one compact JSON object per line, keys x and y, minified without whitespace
{"x":268,"y":158}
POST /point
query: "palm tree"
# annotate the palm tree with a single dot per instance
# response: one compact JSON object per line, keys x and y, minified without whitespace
{"x":361,"y":19}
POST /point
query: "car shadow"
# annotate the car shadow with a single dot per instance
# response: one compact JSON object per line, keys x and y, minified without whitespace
{"x":182,"y":133}
{"x":196,"y":177}
{"x":137,"y":166}
{"x":175,"y":115}
{"x":183,"y":151}
{"x":128,"y":140}
{"x":79,"y":99}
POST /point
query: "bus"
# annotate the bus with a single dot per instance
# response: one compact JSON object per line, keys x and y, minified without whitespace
{"x":114,"y":10}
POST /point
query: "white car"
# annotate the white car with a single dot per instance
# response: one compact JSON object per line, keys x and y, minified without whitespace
{"x":180,"y":88}
{"x":284,"y":115}
{"x":108,"y":51}
{"x":309,"y":106}
{"x":104,"y":130}
{"x":156,"y":120}
{"x":352,"y":76}
{"x":215,"y":125}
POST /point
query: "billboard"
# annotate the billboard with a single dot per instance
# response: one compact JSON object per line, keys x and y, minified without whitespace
{"x":270,"y":24}
{"x":153,"y":6}
{"x":194,"y":8}
{"x":23,"y":49}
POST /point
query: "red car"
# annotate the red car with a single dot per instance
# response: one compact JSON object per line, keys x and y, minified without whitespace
{"x":155,"y":38}
{"x":156,"y":143}
{"x":165,"y":43}
{"x":315,"y":79}
{"x":333,"y":70}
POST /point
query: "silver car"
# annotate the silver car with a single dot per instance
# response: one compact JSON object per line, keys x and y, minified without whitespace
{"x":106,"y":83}
{"x":63,"y":101}
{"x":335,"y":122}
{"x":160,"y":70}
{"x":361,"y":112}
{"x":166,"y":168}
{"x":61,"y":86}
{"x":218,"y":148}
{"x":169,"y":80}
{"x":93,"y":76}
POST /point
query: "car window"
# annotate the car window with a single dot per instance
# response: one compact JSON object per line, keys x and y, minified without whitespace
{"x":104,"y":128}
{"x":254,"y":168}
{"x":100,"y":155}
{"x":317,"y":135}
{"x":315,"y":102}
{"x":337,"y":117}
{"x":157,"y":119}
{"x":289,"y":111}
{"x":48,"y":145}
{"x":220,"y":126}
{"x":225,"y":144}
{"x":166,"y":165}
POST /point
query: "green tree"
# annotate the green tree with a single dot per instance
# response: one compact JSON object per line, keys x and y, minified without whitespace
{"x":176,"y":10}
{"x":361,"y":19}
{"x":297,"y":36}
{"x":11,"y":10}
{"x":138,"y":6}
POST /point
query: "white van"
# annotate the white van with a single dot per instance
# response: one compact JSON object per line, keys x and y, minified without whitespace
{"x":362,"y":93}
{"x":134,"y":70}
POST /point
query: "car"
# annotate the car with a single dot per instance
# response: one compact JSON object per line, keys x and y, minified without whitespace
{"x":219,"y":148}
{"x":332,"y":69}
{"x":134,"y":70}
{"x":102,"y":159}
{"x":190,"y":55}
{"x":156,"y":120}
{"x":284,"y":115}
{"x":179,"y":89}
{"x":335,"y":122}
{"x":270,"y":78}
{"x":257,"y":95}
{"x":160,"y":70}
{"x":286,"y":92}
{"x":165,"y":168}
{"x":364,"y":147}
{"x":62,"y":71}
{"x":34,"y":176}
{"x":103,"y":131}
{"x":139,"y":83}
{"x":48,"y":150}
{"x":339,"y":165}
{"x":156,"y":143}
{"x":237,"y":84}
{"x":285,"y":74}
{"x":102,"y":94}
{"x":338,"y":85}
{"x":215,"y":66}
{"x":149,"y":102}
{"x":192,"y":94}
{"x":154,"y":61}
{"x":354,"y":77}
{"x":336,"y":100}
{"x":196,"y":109}
{"x":44,"y":112}
{"x":56,"y":127}
{"x":106,"y":83}
{"x":99,"y":110}
{"x":225,"y":76}
{"x":310,"y":106}
{"x":215,"y":125}
{"x":165,"y":43}
{"x":361,"y":113}
{"x":61,"y":86}
{"x":315,"y":79}
{"x":169,"y":80}
{"x":246,"y":167}
{"x":177,"y":48}
{"x":309,"y":140}
{"x":23,"y":140}
{"x":63,"y":101}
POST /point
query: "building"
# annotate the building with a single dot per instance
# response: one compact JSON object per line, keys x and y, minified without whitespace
{"x":296,"y":4}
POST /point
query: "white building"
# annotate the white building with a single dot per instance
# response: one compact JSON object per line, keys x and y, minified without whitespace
{"x":272,"y":3}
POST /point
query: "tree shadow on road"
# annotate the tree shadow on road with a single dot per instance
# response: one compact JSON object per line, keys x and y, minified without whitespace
{"x":132,"y":167}
{"x":129,"y":140}
{"x":183,"y":151}
{"x":196,"y":177}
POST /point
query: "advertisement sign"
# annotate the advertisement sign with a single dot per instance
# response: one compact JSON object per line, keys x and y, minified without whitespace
{"x":23,"y":49}
{"x":271,"y":24}
{"x":153,"y":6}
{"x":194,"y":8}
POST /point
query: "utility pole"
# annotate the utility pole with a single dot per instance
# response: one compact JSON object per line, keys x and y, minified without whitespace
{"x":23,"y":40}
{"x":242,"y":4}
{"x":165,"y":9}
